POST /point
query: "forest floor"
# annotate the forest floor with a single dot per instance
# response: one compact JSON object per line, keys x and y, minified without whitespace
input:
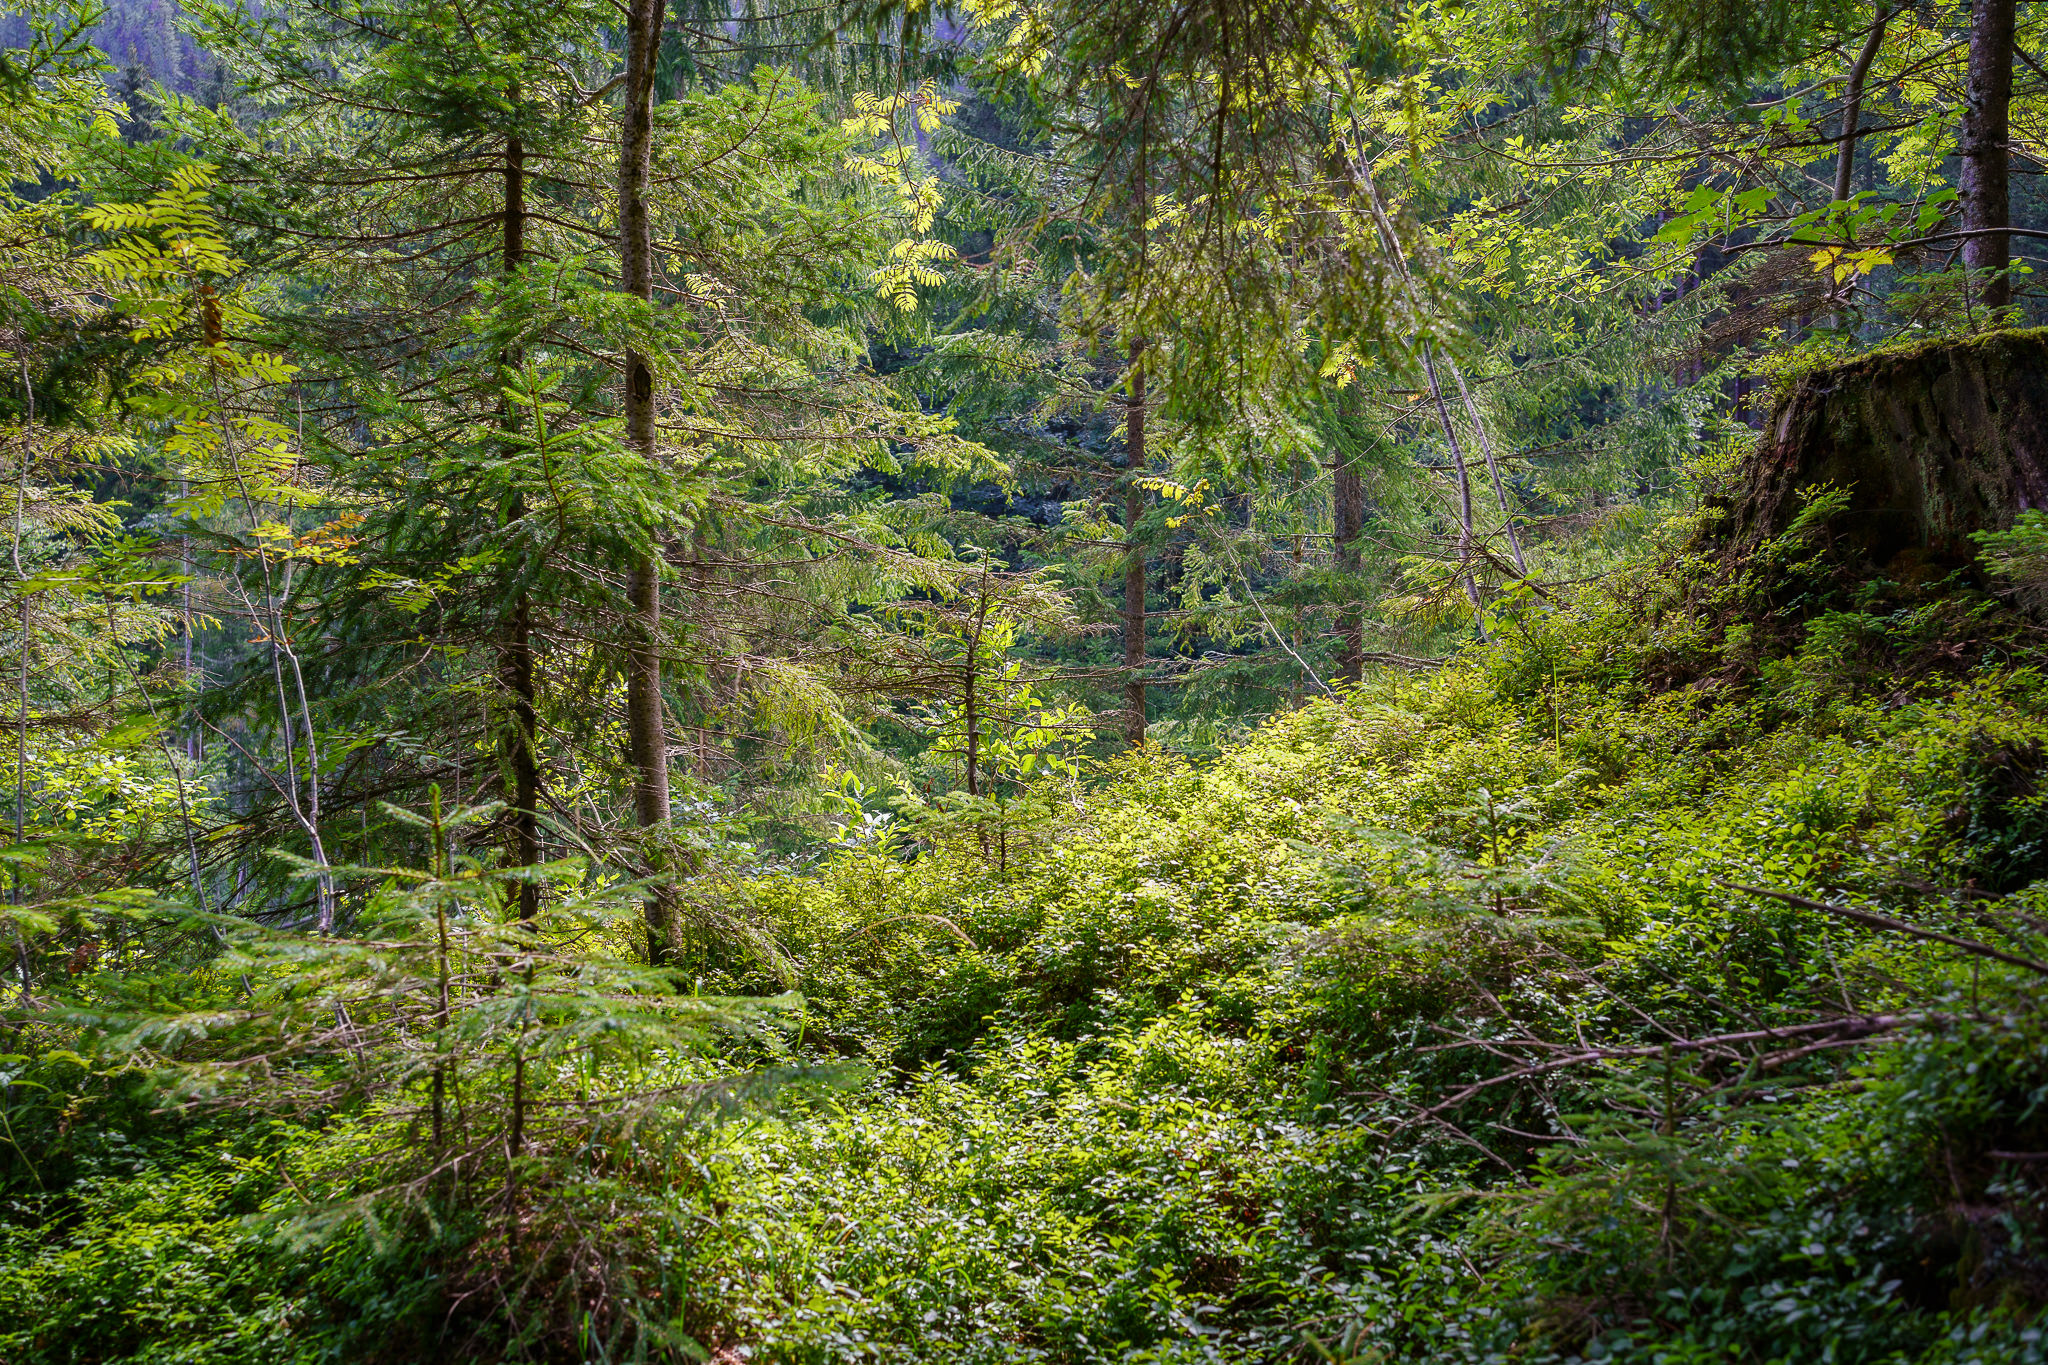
{"x":1489,"y":1013}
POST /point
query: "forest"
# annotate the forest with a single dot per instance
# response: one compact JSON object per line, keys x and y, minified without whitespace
{"x":1172,"y":682}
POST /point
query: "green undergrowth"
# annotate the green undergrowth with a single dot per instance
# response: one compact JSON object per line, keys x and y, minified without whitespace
{"x":1155,"y":1088}
{"x":1272,"y":1058}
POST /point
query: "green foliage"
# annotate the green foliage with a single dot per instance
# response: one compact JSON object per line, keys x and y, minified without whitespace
{"x":1373,"y":1038}
{"x":455,"y":1094}
{"x":1168,"y":1067}
{"x":1642,"y":965}
{"x":2020,"y":557}
{"x":150,"y":1254}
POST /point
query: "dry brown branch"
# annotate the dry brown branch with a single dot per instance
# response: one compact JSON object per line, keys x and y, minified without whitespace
{"x":1886,"y":922}
{"x":1842,"y":1030}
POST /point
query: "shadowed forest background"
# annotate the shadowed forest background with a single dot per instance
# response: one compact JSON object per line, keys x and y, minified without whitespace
{"x":1153,"y":682}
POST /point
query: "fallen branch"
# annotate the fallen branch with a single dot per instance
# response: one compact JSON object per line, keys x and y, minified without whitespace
{"x":1836,"y":1030}
{"x":1896,"y":926}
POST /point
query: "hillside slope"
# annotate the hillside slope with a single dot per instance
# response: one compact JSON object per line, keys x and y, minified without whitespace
{"x":1469,"y":1015}
{"x":1220,"y":1064}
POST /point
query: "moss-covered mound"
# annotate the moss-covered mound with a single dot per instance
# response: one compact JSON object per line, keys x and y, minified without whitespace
{"x":1930,"y":445}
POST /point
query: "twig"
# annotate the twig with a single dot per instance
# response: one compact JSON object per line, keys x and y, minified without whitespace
{"x":1877,"y":921}
{"x":1847,"y":1029}
{"x":1277,"y":637}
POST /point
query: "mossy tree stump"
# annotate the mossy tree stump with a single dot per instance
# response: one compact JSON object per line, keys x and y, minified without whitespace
{"x":1931,"y":444}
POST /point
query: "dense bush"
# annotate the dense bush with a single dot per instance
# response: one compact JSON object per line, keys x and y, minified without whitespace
{"x":1251,"y":1060}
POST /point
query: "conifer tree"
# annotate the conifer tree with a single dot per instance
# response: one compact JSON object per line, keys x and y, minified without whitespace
{"x":417,"y":126}
{"x":646,"y":709}
{"x":462,"y":358}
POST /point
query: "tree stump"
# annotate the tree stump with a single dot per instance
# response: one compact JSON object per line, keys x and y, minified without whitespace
{"x":1931,"y":444}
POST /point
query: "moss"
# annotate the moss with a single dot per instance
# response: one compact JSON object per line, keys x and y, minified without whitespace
{"x":1931,"y":443}
{"x":1785,"y":380}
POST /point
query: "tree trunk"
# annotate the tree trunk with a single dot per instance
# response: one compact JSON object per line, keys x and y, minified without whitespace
{"x":1986,"y":204}
{"x":194,"y":743}
{"x":646,"y":727}
{"x":1931,"y":445}
{"x":1360,"y":171}
{"x":1468,"y":568}
{"x":1852,"y":103}
{"x":972,"y":717}
{"x":1852,"y":113}
{"x":1347,"y":508}
{"x":1500,"y":487}
{"x":515,"y":650}
{"x":1134,"y":554}
{"x":969,"y":702}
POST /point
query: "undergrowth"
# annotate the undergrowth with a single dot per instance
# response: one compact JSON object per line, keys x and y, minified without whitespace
{"x":1390,"y":1034}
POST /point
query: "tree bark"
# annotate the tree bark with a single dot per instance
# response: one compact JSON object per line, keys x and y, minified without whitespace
{"x":646,"y":727}
{"x":1932,"y":445}
{"x":1468,"y":567}
{"x":1852,"y":113}
{"x":1852,"y":103}
{"x":1986,"y":130}
{"x":1347,"y":508}
{"x":515,"y":650}
{"x":1134,"y":554}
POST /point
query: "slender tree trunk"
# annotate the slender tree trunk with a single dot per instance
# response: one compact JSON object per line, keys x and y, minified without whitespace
{"x":515,"y":664}
{"x":1134,"y":554}
{"x":194,"y":749}
{"x":1500,"y":487}
{"x":304,"y":805}
{"x":970,"y":708}
{"x":440,"y":853}
{"x":1300,"y":617}
{"x":1986,"y":130}
{"x":515,"y":650}
{"x":1852,"y":103}
{"x":1361,"y":172}
{"x":1134,"y":496}
{"x":20,"y":578}
{"x":646,"y":727}
{"x":325,"y":885}
{"x":1347,"y":508}
{"x":28,"y":436}
{"x":1852,"y":113}
{"x":971,"y":716}
{"x":1466,"y":543}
